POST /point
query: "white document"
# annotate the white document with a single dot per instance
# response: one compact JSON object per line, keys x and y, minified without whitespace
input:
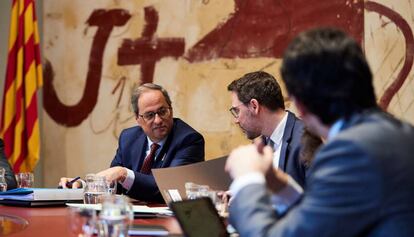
{"x":135,"y":208}
{"x":150,"y":230}
{"x":175,"y":195}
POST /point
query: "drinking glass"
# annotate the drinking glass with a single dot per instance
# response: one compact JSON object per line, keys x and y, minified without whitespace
{"x":115,"y":217}
{"x":95,"y":188}
{"x":219,"y":199}
{"x":194,"y":191}
{"x":82,"y":221}
{"x":25,"y":179}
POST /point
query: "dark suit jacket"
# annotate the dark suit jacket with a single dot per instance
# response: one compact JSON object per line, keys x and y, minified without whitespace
{"x":361,"y":183}
{"x":289,"y":158}
{"x":183,"y":146}
{"x":10,"y":179}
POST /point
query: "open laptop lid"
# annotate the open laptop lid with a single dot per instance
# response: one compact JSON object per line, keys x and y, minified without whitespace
{"x":199,"y":218}
{"x":171,"y":180}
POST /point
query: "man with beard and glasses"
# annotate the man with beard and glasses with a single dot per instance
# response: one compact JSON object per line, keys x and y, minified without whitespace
{"x":258,"y":108}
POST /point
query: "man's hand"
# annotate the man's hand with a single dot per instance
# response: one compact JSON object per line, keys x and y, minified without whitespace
{"x":64,"y":180}
{"x":276,"y":179}
{"x":246,"y":159}
{"x":116,"y":173}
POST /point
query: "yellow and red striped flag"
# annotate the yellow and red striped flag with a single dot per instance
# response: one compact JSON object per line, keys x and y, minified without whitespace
{"x":19,"y":126}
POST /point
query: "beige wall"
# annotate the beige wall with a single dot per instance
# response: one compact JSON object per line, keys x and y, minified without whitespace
{"x":198,"y":90}
{"x":4,"y":38}
{"x":385,"y":50}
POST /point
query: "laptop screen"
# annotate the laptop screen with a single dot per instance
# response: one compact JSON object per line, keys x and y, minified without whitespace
{"x":171,"y":180}
{"x":199,"y":218}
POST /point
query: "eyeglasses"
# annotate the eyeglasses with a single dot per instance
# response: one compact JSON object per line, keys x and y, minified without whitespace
{"x":234,"y":110}
{"x":163,"y":113}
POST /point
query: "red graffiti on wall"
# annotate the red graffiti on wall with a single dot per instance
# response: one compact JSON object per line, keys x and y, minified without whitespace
{"x":402,"y":24}
{"x":73,"y":115}
{"x":263,"y":28}
{"x":257,"y":28}
{"x":148,"y":49}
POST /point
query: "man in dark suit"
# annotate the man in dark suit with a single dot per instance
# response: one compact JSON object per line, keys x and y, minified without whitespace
{"x":258,"y":108}
{"x":9,"y":175}
{"x":361,"y":182}
{"x":159,"y":141}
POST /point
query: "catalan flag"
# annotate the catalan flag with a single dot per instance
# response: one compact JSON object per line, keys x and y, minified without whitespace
{"x":19,"y":126}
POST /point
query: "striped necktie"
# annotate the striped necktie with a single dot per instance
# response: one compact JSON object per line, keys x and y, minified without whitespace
{"x":146,"y":167}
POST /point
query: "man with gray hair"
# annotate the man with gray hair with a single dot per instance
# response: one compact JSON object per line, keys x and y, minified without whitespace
{"x":159,"y":141}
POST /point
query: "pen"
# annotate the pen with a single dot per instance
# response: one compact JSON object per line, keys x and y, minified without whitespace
{"x":70,"y":183}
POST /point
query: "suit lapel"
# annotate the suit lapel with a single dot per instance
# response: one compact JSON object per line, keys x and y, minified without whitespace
{"x":287,"y":134}
{"x":139,"y":149}
{"x":163,"y":157}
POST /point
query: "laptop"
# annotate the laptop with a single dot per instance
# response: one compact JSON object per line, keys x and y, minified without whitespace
{"x":171,"y":181}
{"x":199,"y":218}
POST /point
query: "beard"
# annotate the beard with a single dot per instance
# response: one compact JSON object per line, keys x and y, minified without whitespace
{"x":250,"y":126}
{"x":250,"y":133}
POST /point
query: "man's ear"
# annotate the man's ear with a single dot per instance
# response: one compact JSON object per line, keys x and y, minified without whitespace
{"x":138,"y":120}
{"x":254,"y":106}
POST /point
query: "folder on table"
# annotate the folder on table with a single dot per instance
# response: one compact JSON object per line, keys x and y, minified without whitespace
{"x":40,"y":196}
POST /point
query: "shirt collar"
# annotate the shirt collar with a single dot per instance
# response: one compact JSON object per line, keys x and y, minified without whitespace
{"x":277,"y":134}
{"x":335,"y":128}
{"x":160,"y":143}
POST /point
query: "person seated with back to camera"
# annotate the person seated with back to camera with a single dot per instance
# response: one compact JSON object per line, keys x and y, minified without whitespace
{"x":360,"y":181}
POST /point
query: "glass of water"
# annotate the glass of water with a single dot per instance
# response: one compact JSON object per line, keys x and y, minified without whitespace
{"x":94,"y":190}
{"x":25,"y":179}
{"x":82,"y":221}
{"x":115,"y":217}
{"x":194,"y":191}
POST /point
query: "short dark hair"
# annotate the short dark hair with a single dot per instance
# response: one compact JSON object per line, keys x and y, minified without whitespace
{"x":260,"y":86}
{"x":140,"y":89}
{"x":327,"y":72}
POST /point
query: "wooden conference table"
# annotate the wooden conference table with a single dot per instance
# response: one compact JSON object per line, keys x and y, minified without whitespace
{"x":55,"y":221}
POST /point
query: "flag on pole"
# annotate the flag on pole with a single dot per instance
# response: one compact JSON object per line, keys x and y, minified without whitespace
{"x":19,"y":126}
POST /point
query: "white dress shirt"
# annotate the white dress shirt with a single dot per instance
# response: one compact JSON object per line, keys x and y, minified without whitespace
{"x":276,"y":139}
